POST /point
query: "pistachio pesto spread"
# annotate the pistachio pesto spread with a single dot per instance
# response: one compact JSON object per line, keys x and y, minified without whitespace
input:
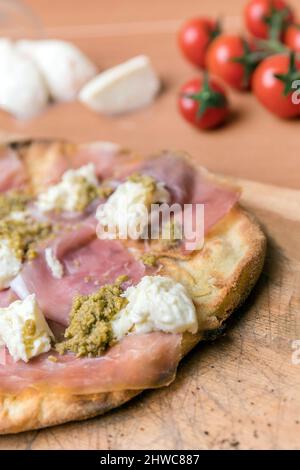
{"x":149,"y":259}
{"x":13,"y":202}
{"x":17,"y":228}
{"x":90,"y":330}
{"x":23,"y":235}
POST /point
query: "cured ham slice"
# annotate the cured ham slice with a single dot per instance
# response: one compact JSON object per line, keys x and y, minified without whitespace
{"x":88,"y":263}
{"x":74,"y":237}
{"x":188,"y":185}
{"x":46,"y":162}
{"x":65,"y":218}
{"x":135,"y":363}
{"x":175,"y":172}
{"x":109,"y":159}
{"x":7,"y":296}
{"x":218,"y":199}
{"x":12,"y":171}
{"x":3,"y":356}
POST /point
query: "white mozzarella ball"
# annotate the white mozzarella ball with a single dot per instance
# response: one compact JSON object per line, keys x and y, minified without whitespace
{"x":64,"y":67}
{"x":124,"y":88}
{"x":23,"y":91}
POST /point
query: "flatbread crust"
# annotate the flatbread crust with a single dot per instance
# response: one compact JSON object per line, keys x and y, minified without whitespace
{"x":218,"y":278}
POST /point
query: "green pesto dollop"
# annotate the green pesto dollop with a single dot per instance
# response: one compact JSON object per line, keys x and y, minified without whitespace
{"x":90,"y":331}
{"x":24,"y":235}
{"x":87,"y":192}
{"x":13,"y":201}
{"x":104,"y":191}
{"x":149,"y":259}
{"x":147,"y":181}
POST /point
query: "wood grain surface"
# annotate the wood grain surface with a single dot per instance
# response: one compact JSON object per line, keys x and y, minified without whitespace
{"x":243,"y":390}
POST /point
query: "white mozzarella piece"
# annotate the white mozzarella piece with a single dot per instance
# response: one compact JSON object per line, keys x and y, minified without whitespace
{"x":66,"y":194}
{"x":24,"y":330}
{"x":64,"y":67}
{"x":54,"y":264}
{"x":126,"y":210}
{"x":10,"y":265}
{"x":23,"y":91}
{"x":157,"y":303}
{"x":126,"y":87}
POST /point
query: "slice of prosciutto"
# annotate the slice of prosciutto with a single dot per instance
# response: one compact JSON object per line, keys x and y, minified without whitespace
{"x":3,"y":355}
{"x":12,"y":170}
{"x":137,"y":362}
{"x":48,"y":161}
{"x":189,"y":185}
{"x":110,"y":160}
{"x":7,"y":296}
{"x":88,"y":264}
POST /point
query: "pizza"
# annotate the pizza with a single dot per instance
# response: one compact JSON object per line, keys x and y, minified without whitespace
{"x":93,"y":309}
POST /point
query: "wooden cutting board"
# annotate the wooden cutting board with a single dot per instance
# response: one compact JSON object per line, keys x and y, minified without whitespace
{"x":239,"y":392}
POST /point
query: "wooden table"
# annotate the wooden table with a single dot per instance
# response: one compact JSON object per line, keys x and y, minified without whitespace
{"x":242,"y":391}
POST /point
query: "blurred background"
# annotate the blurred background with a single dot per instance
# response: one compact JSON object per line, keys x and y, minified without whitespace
{"x":254,"y":144}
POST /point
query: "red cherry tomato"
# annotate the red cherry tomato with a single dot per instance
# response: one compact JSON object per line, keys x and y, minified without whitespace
{"x":203,"y":103}
{"x":267,"y":18}
{"x":292,"y":37}
{"x":274,"y":84}
{"x":195,"y":37}
{"x":230,"y":58}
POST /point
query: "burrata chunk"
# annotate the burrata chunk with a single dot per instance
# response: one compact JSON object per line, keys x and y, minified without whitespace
{"x":23,"y":91}
{"x":124,"y":88}
{"x":64,"y":67}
